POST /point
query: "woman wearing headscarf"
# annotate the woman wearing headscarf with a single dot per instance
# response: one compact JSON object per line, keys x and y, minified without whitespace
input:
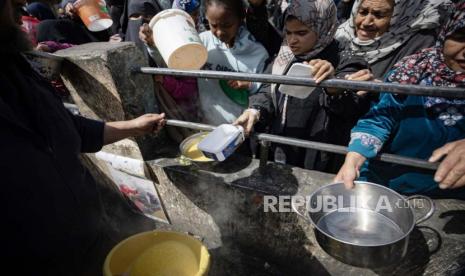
{"x":309,"y":27}
{"x":384,"y":31}
{"x":417,"y":126}
{"x":136,"y":13}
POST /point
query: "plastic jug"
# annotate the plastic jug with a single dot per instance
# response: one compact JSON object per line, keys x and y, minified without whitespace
{"x":222,"y":142}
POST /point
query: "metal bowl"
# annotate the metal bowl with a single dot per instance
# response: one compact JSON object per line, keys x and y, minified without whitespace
{"x":188,"y":142}
{"x":367,"y":226}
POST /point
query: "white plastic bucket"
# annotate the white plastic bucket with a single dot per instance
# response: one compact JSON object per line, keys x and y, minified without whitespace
{"x":222,"y":142}
{"x":177,"y":40}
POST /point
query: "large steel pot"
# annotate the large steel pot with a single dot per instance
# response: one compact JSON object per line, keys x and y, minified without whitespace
{"x":369,"y":226}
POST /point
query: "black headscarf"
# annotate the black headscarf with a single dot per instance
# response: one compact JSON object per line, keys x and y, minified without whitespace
{"x":130,"y":27}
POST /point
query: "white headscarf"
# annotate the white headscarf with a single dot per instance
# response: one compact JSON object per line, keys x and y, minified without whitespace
{"x":408,"y":17}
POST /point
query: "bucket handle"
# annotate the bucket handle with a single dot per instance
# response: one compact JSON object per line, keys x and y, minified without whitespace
{"x":431,"y":204}
{"x":296,"y":209}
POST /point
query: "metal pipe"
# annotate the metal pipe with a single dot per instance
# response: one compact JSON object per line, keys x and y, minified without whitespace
{"x":417,"y":90}
{"x":191,"y":125}
{"x":262,"y":137}
{"x":264,"y":152}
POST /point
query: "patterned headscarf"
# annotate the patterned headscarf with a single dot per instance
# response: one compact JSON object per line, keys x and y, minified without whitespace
{"x":186,"y":5}
{"x":408,"y":17}
{"x":428,"y":68}
{"x":318,"y":15}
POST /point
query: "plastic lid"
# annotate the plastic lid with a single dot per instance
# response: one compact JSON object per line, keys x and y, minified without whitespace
{"x":298,"y":70}
{"x":219,"y":138}
{"x":100,"y":25}
{"x":168,"y":13}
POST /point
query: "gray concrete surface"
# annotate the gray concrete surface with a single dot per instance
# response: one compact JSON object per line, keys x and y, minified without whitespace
{"x":98,"y":76}
{"x":223,"y":204}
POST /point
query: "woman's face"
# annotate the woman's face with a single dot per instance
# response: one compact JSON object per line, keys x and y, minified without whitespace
{"x":454,"y":51}
{"x":373,"y":18}
{"x":300,"y":38}
{"x":223,"y":23}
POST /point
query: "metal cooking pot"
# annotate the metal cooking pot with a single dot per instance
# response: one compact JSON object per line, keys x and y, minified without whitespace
{"x":367,"y":226}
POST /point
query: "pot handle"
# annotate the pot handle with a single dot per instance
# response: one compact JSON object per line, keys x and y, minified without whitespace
{"x":296,"y":209}
{"x":431,"y":204}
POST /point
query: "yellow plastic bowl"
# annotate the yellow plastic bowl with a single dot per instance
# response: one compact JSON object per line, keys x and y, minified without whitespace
{"x":158,"y":253}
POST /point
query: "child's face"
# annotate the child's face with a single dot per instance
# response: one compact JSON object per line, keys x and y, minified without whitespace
{"x":300,"y":38}
{"x":223,"y":23}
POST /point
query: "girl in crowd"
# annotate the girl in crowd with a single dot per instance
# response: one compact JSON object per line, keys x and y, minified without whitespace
{"x":417,"y":126}
{"x":309,"y":28}
{"x":178,"y":96}
{"x":231,"y":48}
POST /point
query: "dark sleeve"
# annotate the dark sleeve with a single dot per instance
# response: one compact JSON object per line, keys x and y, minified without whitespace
{"x":343,"y":10}
{"x":91,"y":133}
{"x":330,"y":53}
{"x":262,"y":100}
{"x":421,"y":40}
{"x":259,"y":26}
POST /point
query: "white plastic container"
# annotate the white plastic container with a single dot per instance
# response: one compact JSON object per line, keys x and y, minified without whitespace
{"x":94,"y":14}
{"x":177,"y":40}
{"x":301,"y":92}
{"x":222,"y":142}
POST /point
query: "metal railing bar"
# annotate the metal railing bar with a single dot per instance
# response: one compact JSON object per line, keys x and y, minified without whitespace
{"x":416,"y":90}
{"x":385,"y":157}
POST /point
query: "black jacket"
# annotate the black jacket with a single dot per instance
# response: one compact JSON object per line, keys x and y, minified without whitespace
{"x":51,"y":209}
{"x":319,"y":117}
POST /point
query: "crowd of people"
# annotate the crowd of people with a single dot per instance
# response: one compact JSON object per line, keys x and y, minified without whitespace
{"x":419,"y":42}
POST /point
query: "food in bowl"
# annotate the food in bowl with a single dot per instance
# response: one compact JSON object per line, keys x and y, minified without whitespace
{"x":190,"y":150}
{"x":195,"y":154}
{"x":168,"y":258}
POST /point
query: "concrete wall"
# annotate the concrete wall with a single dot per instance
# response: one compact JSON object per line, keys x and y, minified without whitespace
{"x":99,"y":78}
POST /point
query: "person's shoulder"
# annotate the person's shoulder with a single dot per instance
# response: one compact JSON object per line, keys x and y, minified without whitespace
{"x":421,"y":39}
{"x":253,"y":45}
{"x":206,"y":37}
{"x":330,"y":53}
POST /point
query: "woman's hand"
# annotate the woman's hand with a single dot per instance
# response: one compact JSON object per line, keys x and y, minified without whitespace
{"x":350,"y":170}
{"x":362,"y":75}
{"x":146,"y":35}
{"x":115,"y":38}
{"x":247,"y":120}
{"x":71,"y":8}
{"x":145,"y":124}
{"x":240,"y":84}
{"x":451,"y":171}
{"x":321,"y":70}
{"x":42,"y":47}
